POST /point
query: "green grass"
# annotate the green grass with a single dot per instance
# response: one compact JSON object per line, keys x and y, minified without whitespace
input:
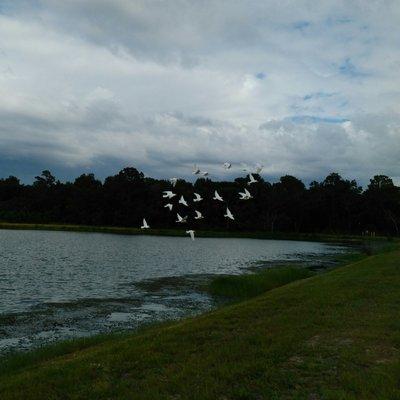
{"x":242,"y":287}
{"x":321,"y":237}
{"x":15,"y":361}
{"x":333,"y":336}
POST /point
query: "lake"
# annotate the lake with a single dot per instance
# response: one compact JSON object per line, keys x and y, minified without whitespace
{"x":60,"y":285}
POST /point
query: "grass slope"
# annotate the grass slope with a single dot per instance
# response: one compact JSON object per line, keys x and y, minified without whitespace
{"x":331,"y":336}
{"x":241,"y":287}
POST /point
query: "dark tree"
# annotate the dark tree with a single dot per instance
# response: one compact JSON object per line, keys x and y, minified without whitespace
{"x":45,"y":180}
{"x":382,"y":198}
{"x":333,"y":205}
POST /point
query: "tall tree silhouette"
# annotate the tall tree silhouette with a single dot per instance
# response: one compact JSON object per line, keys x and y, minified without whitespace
{"x":332,"y":205}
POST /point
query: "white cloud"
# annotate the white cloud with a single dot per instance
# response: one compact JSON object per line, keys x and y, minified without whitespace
{"x":166,"y":84}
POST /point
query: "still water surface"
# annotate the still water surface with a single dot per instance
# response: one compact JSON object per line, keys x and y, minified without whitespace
{"x":58,"y":285}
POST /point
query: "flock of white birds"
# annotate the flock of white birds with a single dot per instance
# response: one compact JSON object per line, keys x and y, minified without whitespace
{"x":169,"y":194}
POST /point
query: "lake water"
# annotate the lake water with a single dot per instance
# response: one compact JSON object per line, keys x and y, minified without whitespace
{"x":58,"y":285}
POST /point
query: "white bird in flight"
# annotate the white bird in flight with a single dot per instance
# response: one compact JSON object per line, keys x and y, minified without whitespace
{"x":258,"y":168}
{"x":245,"y":167}
{"x":145,"y":225}
{"x":217,"y":196}
{"x":169,"y":205}
{"x":191,"y":233}
{"x":196,"y":170}
{"x":245,"y":195}
{"x":183,"y":201}
{"x":229,"y":214}
{"x":180,"y":219}
{"x":173,"y":181}
{"x":252,"y":180}
{"x":199,"y":215}
{"x":197,"y":198}
{"x":227,"y":165}
{"x":168,"y":194}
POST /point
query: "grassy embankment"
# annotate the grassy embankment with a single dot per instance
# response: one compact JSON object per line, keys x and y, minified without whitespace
{"x":322,"y":237}
{"x":241,"y":287}
{"x":331,"y":336}
{"x":246,"y":286}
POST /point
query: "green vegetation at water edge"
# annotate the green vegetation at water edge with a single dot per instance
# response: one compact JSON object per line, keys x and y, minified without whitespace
{"x":250,"y":285}
{"x":331,"y":336}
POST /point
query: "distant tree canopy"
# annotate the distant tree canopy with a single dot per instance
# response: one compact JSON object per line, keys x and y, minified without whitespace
{"x":334,"y":205}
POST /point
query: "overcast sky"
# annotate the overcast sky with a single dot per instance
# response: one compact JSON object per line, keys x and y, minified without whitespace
{"x":303,"y":87}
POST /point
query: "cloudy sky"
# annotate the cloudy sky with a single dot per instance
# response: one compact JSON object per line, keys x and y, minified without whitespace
{"x":304,"y":87}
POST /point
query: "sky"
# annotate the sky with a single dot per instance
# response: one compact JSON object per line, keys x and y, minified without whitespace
{"x":303,"y":87}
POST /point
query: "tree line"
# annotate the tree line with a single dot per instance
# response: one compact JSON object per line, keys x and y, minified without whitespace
{"x":335,"y":205}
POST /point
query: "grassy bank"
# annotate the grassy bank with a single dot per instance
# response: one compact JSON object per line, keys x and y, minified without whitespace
{"x":331,"y":336}
{"x":241,"y":287}
{"x":321,"y":237}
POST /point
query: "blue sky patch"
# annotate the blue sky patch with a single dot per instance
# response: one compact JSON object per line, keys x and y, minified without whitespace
{"x":347,"y":68}
{"x":301,"y":25}
{"x":338,"y":21}
{"x":318,"y":95}
{"x":313,"y":119}
{"x":261,"y":75}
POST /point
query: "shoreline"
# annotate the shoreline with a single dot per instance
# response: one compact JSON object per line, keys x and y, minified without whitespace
{"x":290,"y":333}
{"x":192,"y":286}
{"x":313,"y":237}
